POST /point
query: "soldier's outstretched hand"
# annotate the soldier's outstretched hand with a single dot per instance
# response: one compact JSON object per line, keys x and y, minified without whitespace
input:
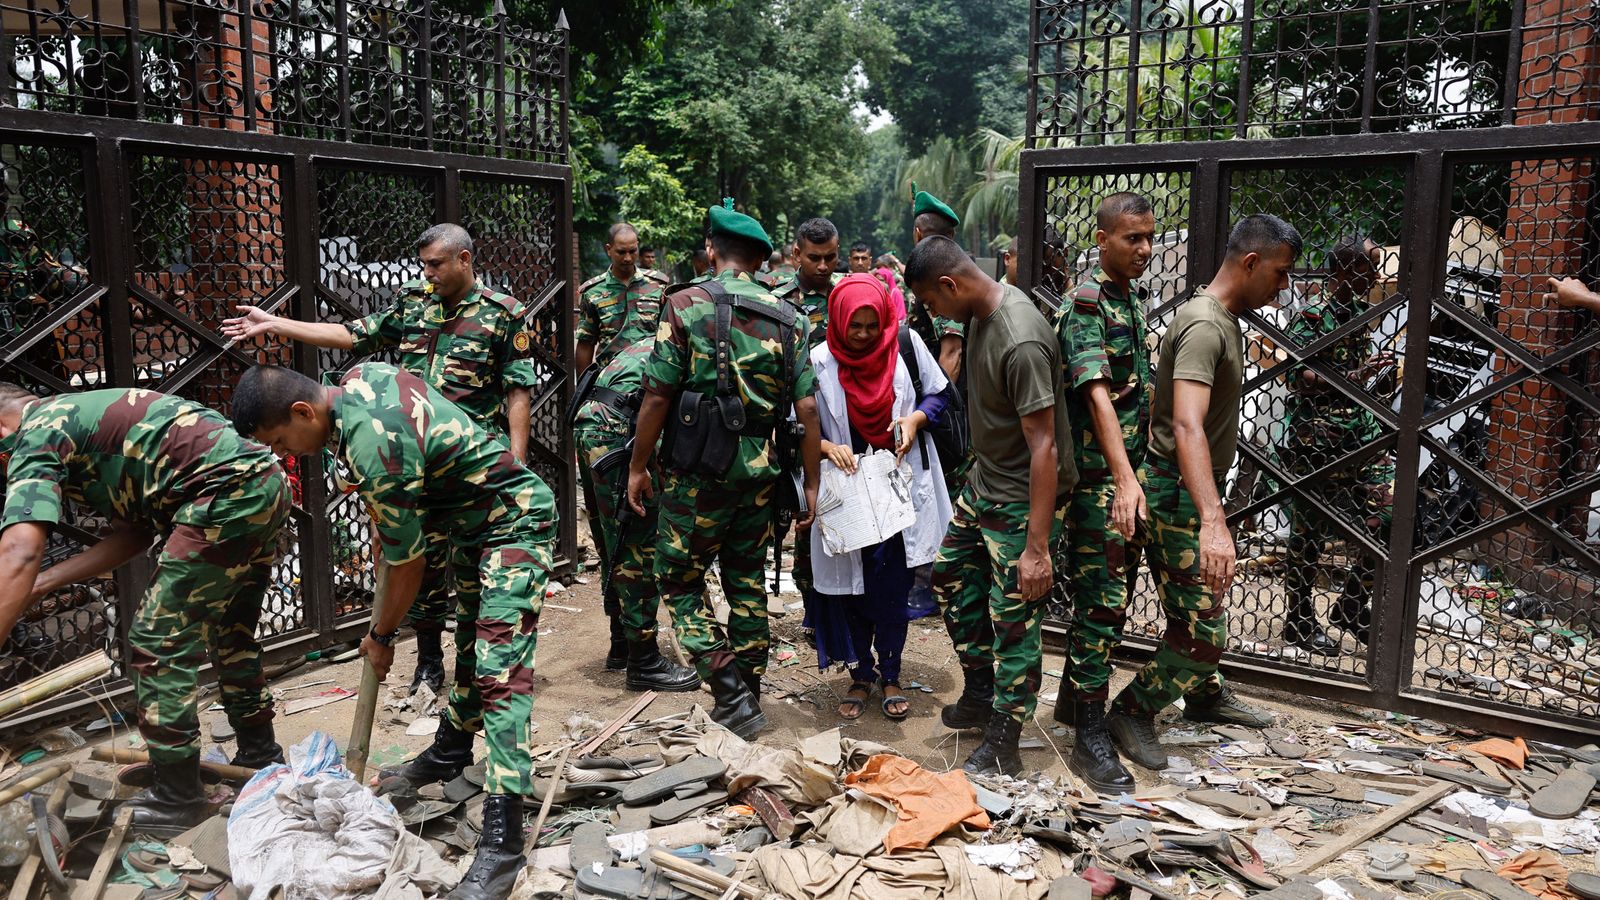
{"x":250,"y":322}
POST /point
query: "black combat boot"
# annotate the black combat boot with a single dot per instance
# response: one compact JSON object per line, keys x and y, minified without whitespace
{"x":258,"y":747}
{"x":1094,"y":756}
{"x":1135,"y":736}
{"x":175,"y":801}
{"x":430,"y":661}
{"x":1352,"y":614}
{"x":998,"y":754}
{"x":445,"y":758}
{"x":499,"y":857}
{"x":977,"y":696}
{"x":1301,"y":629}
{"x":752,"y":683}
{"x":735,"y":708}
{"x":648,"y":670}
{"x":617,"y":656}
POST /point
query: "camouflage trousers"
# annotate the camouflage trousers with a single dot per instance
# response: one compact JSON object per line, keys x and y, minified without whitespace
{"x":204,"y":603}
{"x":628,"y":548}
{"x":1197,"y":623}
{"x":975,"y":582}
{"x":499,"y":593}
{"x":1364,"y":498}
{"x":700,"y":521}
{"x":433,"y":607}
{"x":1099,"y":565}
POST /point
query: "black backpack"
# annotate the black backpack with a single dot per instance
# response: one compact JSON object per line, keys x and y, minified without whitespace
{"x":952,"y":434}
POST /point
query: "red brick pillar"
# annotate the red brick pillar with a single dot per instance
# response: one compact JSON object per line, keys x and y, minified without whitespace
{"x":1546,"y":229}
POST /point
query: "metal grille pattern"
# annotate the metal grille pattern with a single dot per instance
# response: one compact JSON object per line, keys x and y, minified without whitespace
{"x":392,"y":72}
{"x":1136,"y":71}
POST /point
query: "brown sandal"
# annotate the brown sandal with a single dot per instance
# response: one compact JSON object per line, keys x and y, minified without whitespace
{"x":856,"y":705}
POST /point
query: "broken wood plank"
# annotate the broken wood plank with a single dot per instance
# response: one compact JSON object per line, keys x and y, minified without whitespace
{"x":683,"y":870}
{"x":627,"y":716}
{"x":32,"y":780}
{"x":130,"y":756}
{"x":770,"y":807}
{"x":108,"y":856}
{"x":88,"y":668}
{"x":556,"y":781}
{"x":1368,"y":829}
{"x":678,"y":834}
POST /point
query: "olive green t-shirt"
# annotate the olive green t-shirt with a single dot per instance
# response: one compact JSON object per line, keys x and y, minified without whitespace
{"x":1204,"y":344}
{"x":1013,"y":364}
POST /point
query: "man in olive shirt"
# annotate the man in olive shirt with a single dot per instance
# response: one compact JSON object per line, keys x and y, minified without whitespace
{"x":993,"y":571}
{"x":1194,"y":431}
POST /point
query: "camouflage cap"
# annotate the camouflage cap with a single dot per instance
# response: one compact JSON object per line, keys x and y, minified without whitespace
{"x":924,"y":202}
{"x":725,"y":221}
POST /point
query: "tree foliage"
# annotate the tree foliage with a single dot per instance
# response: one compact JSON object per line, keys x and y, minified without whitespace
{"x":653,"y":200}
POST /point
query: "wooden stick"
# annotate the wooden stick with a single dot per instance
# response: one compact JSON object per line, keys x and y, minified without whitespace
{"x":627,"y":716}
{"x":130,"y":756}
{"x":23,"y":885}
{"x":556,"y":781}
{"x":683,"y":870}
{"x":355,"y":754}
{"x":1370,"y":828}
{"x":32,"y":780}
{"x":95,"y":665}
{"x":108,"y":856}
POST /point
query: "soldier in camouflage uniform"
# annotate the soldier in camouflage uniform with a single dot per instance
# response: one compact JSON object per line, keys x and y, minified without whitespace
{"x":602,"y":429}
{"x":421,"y":464}
{"x":780,"y":270}
{"x":930,"y":216}
{"x":604,"y":300}
{"x":155,"y":467}
{"x":1194,"y":431}
{"x":469,"y":342}
{"x":32,"y":280}
{"x":994,"y":568}
{"x":726,"y":518}
{"x":1321,"y":426}
{"x":1108,"y":388}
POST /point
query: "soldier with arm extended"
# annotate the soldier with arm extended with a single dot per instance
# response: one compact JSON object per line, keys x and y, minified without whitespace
{"x":467,"y":341}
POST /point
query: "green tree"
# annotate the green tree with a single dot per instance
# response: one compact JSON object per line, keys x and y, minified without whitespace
{"x":653,"y":200}
{"x":956,"y":68}
{"x":858,"y":216}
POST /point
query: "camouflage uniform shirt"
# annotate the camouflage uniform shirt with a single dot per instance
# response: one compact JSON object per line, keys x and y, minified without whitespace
{"x":604,"y":301}
{"x":684,"y":359}
{"x":471,"y":353}
{"x":1324,"y":402}
{"x":415,"y":456}
{"x":624,"y":372}
{"x":1102,"y":334}
{"x":31,"y":280}
{"x":812,"y":304}
{"x":137,"y":456}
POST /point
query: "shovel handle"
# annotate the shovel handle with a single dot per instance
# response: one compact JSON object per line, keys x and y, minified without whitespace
{"x":355,"y":755}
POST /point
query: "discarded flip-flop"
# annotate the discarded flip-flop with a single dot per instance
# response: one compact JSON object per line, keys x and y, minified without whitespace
{"x":663,"y":783}
{"x":1496,"y":887}
{"x":631,"y":818}
{"x":476,"y":774}
{"x":1469,"y":777}
{"x":83,"y":810}
{"x":460,"y":790}
{"x":612,"y":768}
{"x":1056,"y":830}
{"x":1565,"y":797}
{"x":1389,"y":863}
{"x":1240,"y":805}
{"x":589,"y":847}
{"x":1288,"y":750}
{"x":1235,"y":733}
{"x":201,"y":881}
{"x":672,"y":810}
{"x":1584,"y":884}
{"x":426,"y":811}
{"x":626,"y":884}
{"x":1299,"y":889}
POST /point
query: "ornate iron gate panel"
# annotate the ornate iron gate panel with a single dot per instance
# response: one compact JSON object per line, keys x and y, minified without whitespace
{"x":1484,"y":571}
{"x":319,"y":158}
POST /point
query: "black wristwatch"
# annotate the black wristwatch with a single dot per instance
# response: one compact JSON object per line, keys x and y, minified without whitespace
{"x":385,"y":639}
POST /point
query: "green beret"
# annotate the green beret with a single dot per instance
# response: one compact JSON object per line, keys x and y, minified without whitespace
{"x":925,"y":202}
{"x":725,"y":221}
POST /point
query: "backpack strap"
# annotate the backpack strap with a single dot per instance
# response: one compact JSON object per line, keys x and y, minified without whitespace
{"x":908,"y":352}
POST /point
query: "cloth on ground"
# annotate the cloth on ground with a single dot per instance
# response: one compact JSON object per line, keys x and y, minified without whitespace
{"x":1513,"y":753}
{"x":312,"y":829}
{"x":818,"y":872}
{"x":1539,"y":872}
{"x":929,"y":804}
{"x":852,"y":823}
{"x":804,"y":777}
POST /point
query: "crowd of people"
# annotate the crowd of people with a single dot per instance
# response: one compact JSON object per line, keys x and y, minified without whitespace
{"x":703,"y":418}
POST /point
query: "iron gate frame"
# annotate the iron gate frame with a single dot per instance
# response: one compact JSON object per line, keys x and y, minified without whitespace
{"x":106,"y":147}
{"x":1431,"y":158}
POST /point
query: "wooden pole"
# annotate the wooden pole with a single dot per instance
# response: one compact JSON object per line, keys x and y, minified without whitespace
{"x":28,"y":782}
{"x":1369,"y":828}
{"x":556,"y":781}
{"x":108,"y":855}
{"x":95,"y":665}
{"x":130,"y":756}
{"x":355,"y":754}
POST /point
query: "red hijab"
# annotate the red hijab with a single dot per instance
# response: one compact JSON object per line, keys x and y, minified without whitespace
{"x":867,"y":376}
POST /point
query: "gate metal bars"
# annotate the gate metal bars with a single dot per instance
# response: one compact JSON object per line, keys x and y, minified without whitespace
{"x":1484,"y":572}
{"x":132,"y":233}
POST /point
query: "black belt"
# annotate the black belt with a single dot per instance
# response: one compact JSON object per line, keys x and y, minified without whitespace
{"x":754,"y":430}
{"x":626,"y":403}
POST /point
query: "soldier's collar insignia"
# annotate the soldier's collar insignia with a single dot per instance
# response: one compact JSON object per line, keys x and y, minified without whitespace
{"x":427,"y":288}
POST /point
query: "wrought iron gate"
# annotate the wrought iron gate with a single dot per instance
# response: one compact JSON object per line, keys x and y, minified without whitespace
{"x":165,"y":161}
{"x":1391,"y":119}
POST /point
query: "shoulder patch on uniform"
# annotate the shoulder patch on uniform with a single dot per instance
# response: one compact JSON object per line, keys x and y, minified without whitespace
{"x":593,"y":281}
{"x":655,"y":275}
{"x":1084,"y":304}
{"x":522,"y":342}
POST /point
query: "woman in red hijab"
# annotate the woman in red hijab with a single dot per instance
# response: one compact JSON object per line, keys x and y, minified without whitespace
{"x":865,"y":398}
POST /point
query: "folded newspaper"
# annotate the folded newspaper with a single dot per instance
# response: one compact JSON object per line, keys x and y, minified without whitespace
{"x":865,"y":508}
